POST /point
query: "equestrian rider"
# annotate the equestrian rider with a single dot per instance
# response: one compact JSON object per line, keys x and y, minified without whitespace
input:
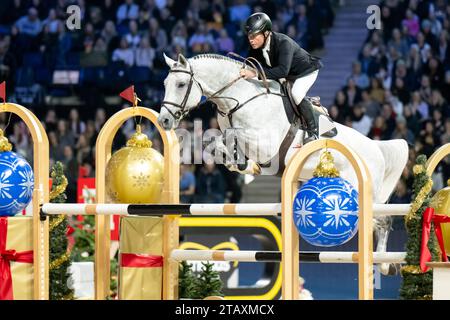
{"x":281,"y":57}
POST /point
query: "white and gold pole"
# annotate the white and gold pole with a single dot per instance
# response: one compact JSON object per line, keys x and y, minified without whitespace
{"x":40,"y":196}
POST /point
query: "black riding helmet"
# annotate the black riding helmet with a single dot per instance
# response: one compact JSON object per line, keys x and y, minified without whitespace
{"x":258,"y":23}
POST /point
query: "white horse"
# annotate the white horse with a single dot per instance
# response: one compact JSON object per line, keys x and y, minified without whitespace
{"x":263,"y":125}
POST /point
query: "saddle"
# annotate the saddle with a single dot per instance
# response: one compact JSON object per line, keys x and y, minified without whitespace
{"x":311,"y":105}
{"x":297,"y":117}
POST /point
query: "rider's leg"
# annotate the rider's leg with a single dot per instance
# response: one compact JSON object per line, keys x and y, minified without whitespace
{"x":302,"y":85}
{"x":300,"y":88}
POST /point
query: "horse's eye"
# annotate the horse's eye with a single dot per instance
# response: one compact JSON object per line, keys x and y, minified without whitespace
{"x":181,"y":85}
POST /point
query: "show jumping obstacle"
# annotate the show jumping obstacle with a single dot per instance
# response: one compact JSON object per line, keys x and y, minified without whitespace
{"x":195,"y":209}
{"x":275,"y":256}
{"x":170,"y":195}
{"x":289,"y":260}
{"x":171,"y":210}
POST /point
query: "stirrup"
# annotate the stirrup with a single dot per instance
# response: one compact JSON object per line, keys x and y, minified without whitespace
{"x":311,"y":136}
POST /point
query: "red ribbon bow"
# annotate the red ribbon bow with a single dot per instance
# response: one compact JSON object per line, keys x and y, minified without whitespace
{"x":132,"y":260}
{"x":425,"y":254}
{"x":6,"y":256}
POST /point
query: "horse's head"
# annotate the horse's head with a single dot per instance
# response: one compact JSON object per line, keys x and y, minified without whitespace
{"x":182,"y":92}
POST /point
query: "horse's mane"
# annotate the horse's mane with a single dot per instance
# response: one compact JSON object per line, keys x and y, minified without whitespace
{"x":274,"y":86}
{"x":217,"y":57}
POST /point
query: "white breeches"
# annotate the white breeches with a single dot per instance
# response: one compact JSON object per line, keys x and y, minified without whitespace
{"x":302,"y":85}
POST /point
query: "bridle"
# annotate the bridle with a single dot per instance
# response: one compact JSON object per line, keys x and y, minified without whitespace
{"x":182,"y":112}
{"x":178,"y":115}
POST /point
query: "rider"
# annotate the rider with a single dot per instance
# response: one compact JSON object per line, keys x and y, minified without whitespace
{"x":281,"y":57}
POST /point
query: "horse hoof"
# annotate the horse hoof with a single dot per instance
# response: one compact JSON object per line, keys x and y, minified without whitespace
{"x":256,"y":169}
{"x":232,"y":167}
{"x":384,"y":269}
{"x":394,"y":269}
{"x":389,"y":269}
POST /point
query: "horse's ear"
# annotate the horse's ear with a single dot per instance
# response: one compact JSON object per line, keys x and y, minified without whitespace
{"x":170,"y":62}
{"x":182,"y":60}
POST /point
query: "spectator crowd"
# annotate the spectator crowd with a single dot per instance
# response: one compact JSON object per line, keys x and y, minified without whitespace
{"x":398,"y":87}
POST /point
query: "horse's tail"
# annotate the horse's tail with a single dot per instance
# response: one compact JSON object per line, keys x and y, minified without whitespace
{"x":395,"y":153}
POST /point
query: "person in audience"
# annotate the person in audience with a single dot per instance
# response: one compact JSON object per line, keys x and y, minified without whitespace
{"x":124,"y":54}
{"x":126,"y":12}
{"x":210,"y":185}
{"x":187,"y":184}
{"x":144,"y":54}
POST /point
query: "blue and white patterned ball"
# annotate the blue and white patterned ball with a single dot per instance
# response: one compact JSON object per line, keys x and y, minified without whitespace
{"x":326,"y":211}
{"x":16,"y":183}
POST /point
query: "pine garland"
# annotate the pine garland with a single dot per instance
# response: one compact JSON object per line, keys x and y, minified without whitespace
{"x":56,"y":222}
{"x":56,"y":264}
{"x":59,"y":257}
{"x":417,"y":285}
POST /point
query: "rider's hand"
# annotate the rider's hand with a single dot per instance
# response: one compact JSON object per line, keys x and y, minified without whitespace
{"x":247,"y":74}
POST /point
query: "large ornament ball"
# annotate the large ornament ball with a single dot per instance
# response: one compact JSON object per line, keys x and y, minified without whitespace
{"x":16,"y":183}
{"x":135,"y":175}
{"x":441,"y":204}
{"x":326,"y":211}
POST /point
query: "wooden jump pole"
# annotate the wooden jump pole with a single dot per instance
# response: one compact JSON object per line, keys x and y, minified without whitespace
{"x":275,"y":256}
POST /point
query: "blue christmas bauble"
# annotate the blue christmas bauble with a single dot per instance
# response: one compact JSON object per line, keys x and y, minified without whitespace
{"x":16,"y":183}
{"x":326,"y":211}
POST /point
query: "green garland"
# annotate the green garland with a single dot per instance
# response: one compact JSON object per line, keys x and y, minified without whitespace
{"x":59,"y":257}
{"x":417,"y":285}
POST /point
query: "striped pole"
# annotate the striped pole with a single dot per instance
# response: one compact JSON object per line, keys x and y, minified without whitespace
{"x":275,"y":256}
{"x":201,"y":209}
{"x":196,"y":209}
{"x":391,"y":209}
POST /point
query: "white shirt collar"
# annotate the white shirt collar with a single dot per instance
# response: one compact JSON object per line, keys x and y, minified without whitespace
{"x":267,"y":46}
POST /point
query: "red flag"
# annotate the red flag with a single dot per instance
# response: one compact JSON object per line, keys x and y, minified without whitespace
{"x":3,"y":91}
{"x":128,"y":94}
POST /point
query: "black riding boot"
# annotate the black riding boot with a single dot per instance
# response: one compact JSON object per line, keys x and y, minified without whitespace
{"x":306,"y":109}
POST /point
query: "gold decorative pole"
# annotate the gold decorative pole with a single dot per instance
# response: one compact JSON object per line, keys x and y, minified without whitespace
{"x":170,"y":194}
{"x":40,"y":196}
{"x":437,"y":157}
{"x":290,"y":249}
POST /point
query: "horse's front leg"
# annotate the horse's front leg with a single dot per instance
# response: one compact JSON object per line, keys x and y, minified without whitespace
{"x":232,"y":158}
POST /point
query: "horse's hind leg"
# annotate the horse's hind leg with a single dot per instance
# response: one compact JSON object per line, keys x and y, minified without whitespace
{"x":382,"y":228}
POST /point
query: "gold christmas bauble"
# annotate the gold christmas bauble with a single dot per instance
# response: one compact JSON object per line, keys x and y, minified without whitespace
{"x":441,"y":205}
{"x":135,"y":173}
